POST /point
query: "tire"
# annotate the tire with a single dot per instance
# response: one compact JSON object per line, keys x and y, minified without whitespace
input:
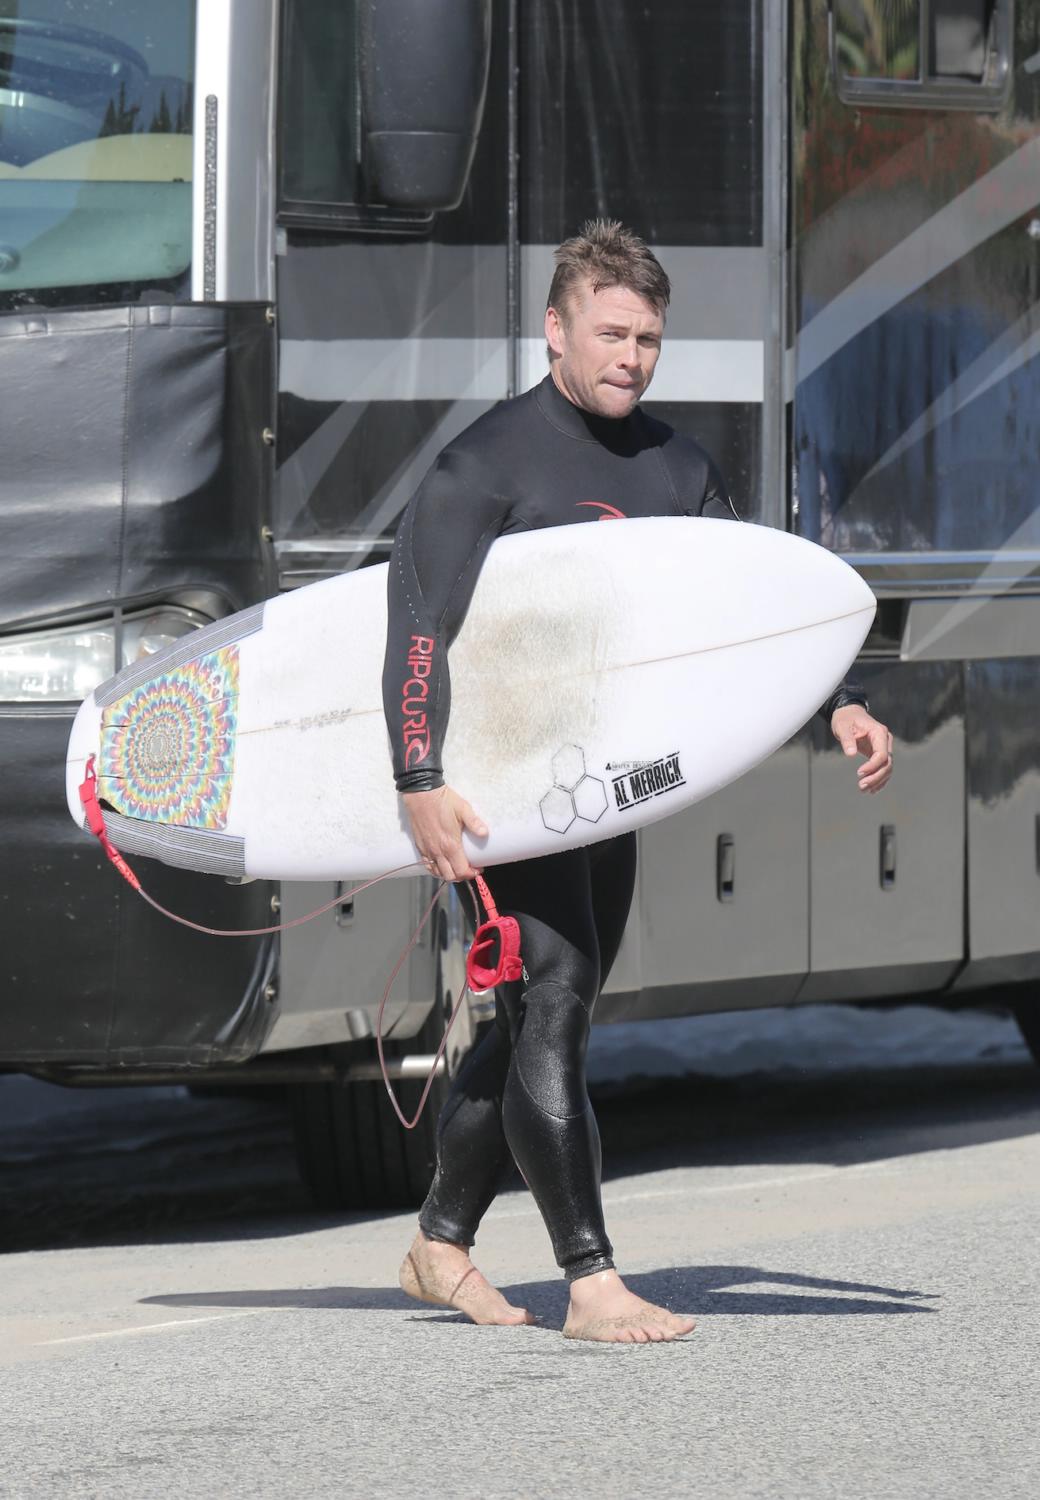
{"x":352,"y":1150}
{"x":1027,"y":1014}
{"x":273,"y":1093}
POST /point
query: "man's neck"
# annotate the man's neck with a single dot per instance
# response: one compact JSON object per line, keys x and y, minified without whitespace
{"x":617,"y":434}
{"x":557,"y":380}
{"x":592,"y":416}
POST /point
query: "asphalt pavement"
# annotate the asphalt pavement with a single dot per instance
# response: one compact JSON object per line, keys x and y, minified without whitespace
{"x":858,"y":1243}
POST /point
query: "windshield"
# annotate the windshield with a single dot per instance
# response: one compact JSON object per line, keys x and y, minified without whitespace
{"x":95,"y":150}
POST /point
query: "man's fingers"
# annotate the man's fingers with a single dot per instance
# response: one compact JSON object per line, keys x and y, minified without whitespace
{"x":872,"y":780}
{"x":450,"y":862}
{"x":460,"y":867}
{"x":879,"y":758}
{"x":444,"y":867}
{"x":437,"y":820}
{"x":876,"y":783}
{"x":472,"y":821}
{"x":879,"y":745}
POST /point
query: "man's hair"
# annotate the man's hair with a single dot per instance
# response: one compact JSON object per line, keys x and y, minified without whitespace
{"x":605,"y":254}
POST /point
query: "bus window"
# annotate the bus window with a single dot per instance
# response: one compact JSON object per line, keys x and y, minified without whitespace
{"x":320,"y":138}
{"x":957,"y":35}
{"x":875,"y":41}
{"x":95,"y":150}
{"x":936,"y":54}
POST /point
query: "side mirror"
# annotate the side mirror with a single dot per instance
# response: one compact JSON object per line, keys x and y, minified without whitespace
{"x":423,"y":73}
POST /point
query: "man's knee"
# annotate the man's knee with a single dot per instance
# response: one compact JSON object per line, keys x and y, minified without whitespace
{"x":550,"y":1049}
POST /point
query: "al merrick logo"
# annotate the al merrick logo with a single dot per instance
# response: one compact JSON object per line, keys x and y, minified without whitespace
{"x":651,"y":779}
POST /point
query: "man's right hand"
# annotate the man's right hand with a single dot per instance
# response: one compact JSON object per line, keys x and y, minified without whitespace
{"x":438,"y":819}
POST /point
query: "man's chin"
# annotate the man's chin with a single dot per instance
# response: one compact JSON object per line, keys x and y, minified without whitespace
{"x":617,"y":400}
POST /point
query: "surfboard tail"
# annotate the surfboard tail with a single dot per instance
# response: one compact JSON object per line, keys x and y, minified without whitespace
{"x":84,"y":741}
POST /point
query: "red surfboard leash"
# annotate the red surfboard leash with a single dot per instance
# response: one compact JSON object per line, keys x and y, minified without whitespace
{"x":497,"y":939}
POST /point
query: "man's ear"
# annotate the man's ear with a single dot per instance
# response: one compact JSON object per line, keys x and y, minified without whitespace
{"x":554,"y":330}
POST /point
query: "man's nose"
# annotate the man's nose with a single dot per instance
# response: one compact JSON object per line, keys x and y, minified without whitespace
{"x":629,"y":355}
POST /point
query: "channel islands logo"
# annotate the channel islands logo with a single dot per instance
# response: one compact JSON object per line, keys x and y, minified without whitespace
{"x":644,"y":779}
{"x":574,"y":794}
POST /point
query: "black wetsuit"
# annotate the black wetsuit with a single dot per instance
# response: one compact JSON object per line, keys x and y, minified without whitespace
{"x":536,"y":461}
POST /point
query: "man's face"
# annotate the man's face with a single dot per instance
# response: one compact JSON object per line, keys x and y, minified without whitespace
{"x":607,"y":344}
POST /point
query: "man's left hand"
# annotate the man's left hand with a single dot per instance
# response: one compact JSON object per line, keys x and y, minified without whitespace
{"x":860,"y":734}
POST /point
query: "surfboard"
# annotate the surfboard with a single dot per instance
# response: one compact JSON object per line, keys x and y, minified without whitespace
{"x":605,"y":676}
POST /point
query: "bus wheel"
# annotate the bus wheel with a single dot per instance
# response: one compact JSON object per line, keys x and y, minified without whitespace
{"x":352,"y":1150}
{"x":1027,"y":1013}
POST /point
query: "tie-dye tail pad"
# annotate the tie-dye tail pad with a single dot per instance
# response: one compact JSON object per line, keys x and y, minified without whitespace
{"x":168,"y":745}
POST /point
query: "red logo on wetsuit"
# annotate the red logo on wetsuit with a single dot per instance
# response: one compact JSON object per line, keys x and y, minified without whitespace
{"x":416,"y":729}
{"x":610,"y":512}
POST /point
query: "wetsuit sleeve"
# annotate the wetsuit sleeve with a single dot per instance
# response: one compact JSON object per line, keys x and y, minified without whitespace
{"x":438,"y":552}
{"x":717,"y":503}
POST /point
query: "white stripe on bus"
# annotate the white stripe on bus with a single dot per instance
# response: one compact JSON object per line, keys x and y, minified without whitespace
{"x":441,"y":369}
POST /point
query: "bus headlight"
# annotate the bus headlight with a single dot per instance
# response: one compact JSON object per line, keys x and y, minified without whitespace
{"x":63,"y":665}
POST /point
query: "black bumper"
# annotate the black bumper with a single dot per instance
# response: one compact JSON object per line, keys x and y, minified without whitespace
{"x":91,"y":974}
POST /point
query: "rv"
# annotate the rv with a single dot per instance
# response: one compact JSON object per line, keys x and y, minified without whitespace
{"x":261,"y":259}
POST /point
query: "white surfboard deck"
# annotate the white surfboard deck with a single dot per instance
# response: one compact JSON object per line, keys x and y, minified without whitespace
{"x":605,"y":676}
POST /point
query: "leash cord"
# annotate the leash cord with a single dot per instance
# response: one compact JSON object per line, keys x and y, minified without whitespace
{"x":505,"y":968}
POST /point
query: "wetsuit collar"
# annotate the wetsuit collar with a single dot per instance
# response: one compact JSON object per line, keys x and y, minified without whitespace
{"x":609,"y":432}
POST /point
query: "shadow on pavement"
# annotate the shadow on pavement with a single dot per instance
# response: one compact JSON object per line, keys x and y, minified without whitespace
{"x":169,"y":1170}
{"x":836,"y":1119}
{"x":698,"y":1290}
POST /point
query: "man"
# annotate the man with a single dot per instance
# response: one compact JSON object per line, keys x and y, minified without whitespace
{"x":575,"y":448}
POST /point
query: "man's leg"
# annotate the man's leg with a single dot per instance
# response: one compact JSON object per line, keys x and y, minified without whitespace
{"x":612,"y":871}
{"x":473,"y":1157}
{"x":601,"y":1306}
{"x":560,"y":902}
{"x":472,"y":1161}
{"x":546,"y":1113}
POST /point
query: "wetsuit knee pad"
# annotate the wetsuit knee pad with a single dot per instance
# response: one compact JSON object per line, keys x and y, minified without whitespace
{"x":549,"y":1052}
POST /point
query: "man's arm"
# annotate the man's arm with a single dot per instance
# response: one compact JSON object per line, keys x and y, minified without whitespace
{"x":716,"y":502}
{"x":438,"y":552}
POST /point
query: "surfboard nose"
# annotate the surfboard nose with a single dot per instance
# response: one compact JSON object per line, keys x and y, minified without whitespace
{"x":846,"y":603}
{"x":84,"y":741}
{"x":861,"y":595}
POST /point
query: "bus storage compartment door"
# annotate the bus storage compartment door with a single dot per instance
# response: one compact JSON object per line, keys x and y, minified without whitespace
{"x":333,"y":972}
{"x":882,"y":924}
{"x":700,"y":936}
{"x":1003,"y":808}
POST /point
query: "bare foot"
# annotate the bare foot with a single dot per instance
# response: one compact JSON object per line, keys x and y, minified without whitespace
{"x":444,"y":1275}
{"x":604,"y":1310}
